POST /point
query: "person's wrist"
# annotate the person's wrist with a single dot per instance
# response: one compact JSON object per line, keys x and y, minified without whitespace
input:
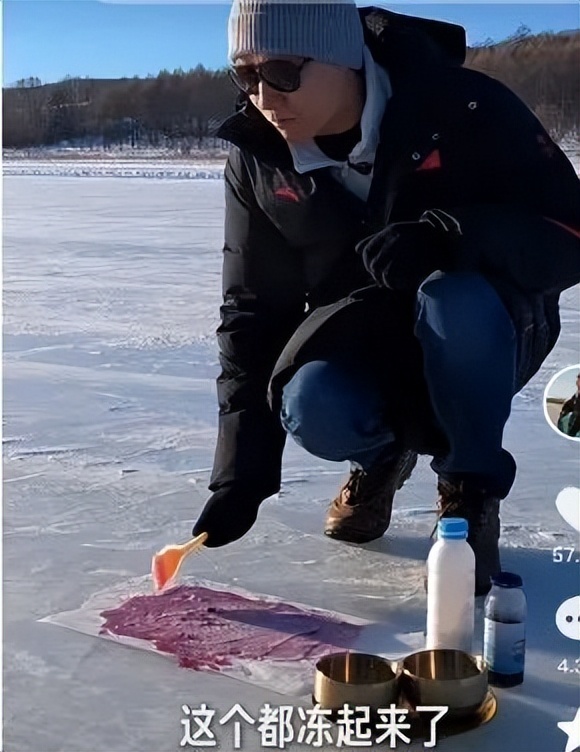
{"x":228,"y":514}
{"x":446,"y":233}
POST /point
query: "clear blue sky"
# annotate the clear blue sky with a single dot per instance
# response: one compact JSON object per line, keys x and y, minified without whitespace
{"x":54,"y":38}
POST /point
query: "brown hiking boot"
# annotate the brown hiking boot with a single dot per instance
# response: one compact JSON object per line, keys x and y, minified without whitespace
{"x":362,"y":510}
{"x":481,"y":510}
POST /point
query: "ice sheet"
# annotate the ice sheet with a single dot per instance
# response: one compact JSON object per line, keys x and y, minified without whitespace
{"x":111,"y":292}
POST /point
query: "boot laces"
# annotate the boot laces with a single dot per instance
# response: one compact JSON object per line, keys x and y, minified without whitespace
{"x":352,"y":486}
{"x":363,"y":487}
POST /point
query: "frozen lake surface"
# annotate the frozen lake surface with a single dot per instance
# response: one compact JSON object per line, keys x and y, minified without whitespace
{"x":111,"y":295}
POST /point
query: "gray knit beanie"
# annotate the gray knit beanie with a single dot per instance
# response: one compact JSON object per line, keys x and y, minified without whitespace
{"x":329,"y":31}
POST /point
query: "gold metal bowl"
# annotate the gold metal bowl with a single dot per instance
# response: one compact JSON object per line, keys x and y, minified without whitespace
{"x":445,"y":677}
{"x":355,"y":679}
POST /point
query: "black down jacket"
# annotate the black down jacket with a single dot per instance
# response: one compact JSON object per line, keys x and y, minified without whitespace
{"x":290,"y":238}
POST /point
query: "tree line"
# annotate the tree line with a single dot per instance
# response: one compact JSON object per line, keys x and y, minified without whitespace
{"x":175,"y":110}
{"x":543,"y":70}
{"x":181,"y":109}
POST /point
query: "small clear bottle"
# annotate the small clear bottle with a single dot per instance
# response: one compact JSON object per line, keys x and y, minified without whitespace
{"x":504,"y":638}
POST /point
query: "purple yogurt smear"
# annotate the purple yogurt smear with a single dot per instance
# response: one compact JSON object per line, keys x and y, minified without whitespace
{"x":209,"y":629}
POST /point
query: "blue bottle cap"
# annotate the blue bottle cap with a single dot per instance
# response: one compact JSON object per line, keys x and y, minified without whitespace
{"x":507,"y":580}
{"x":452,"y":528}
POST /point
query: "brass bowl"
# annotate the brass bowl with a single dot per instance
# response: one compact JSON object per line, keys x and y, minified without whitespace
{"x":450,"y":678}
{"x":355,"y":679}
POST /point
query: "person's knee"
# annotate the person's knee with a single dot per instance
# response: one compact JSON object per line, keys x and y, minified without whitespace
{"x":453,"y":290}
{"x":333,"y":411}
{"x":309,"y":397}
{"x":461,"y":308}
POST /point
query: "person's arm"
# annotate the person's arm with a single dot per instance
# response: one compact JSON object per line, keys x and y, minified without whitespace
{"x":500,"y":241}
{"x":528,"y":231}
{"x":567,"y":407}
{"x":525,"y":228}
{"x":263,"y":302}
{"x":534,"y":253}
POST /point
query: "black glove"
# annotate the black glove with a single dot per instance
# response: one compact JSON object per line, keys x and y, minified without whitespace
{"x":227,"y":515}
{"x":404,"y":254}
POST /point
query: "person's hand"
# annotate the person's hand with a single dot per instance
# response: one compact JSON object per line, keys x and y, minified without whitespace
{"x":226,"y":516}
{"x":404,"y":254}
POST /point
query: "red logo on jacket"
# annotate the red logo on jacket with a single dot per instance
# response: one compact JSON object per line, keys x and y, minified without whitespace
{"x":432,"y":162}
{"x":287,"y":194}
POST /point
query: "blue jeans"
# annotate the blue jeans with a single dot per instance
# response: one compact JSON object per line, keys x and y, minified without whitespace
{"x":470,"y":349}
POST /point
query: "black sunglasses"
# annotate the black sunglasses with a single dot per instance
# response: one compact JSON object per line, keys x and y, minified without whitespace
{"x":281,"y":75}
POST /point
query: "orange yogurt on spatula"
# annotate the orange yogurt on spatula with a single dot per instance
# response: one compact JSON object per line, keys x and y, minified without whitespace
{"x":166,"y":563}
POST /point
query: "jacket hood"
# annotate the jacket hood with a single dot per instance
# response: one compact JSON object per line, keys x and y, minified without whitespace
{"x":405,"y":44}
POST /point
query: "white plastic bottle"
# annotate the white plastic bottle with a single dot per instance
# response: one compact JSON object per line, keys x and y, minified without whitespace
{"x":450,"y":588}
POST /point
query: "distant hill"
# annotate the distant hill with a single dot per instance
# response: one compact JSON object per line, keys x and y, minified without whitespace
{"x":180,"y":108}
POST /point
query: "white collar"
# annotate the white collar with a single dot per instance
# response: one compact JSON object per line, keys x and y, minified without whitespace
{"x":308,"y":156}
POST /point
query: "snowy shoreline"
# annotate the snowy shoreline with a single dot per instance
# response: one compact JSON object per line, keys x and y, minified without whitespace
{"x":163,"y":164}
{"x":199,"y":164}
{"x":115,"y":168}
